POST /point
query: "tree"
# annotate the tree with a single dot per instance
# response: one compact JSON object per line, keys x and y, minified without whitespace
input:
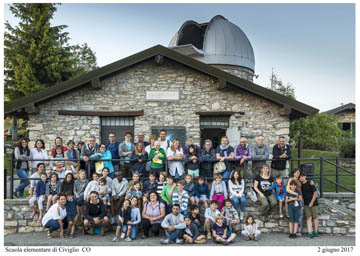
{"x":318,"y":132}
{"x":278,"y":86}
{"x":38,"y":55}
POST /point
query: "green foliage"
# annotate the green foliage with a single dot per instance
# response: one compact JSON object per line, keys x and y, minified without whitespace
{"x":277,"y":85}
{"x":38,"y":55}
{"x":347,"y":148}
{"x":318,"y":132}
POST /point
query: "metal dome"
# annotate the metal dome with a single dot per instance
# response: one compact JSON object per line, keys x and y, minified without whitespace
{"x":217,"y":42}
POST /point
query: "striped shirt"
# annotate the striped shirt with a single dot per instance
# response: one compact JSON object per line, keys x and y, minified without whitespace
{"x":160,"y":186}
{"x":181,"y":199}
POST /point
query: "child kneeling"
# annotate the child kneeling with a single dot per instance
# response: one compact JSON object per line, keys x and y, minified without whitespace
{"x":191,"y":233}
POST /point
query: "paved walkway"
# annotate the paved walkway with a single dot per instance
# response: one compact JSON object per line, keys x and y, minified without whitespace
{"x":274,"y":239}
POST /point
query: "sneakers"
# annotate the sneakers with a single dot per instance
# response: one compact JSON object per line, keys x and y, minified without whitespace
{"x":226,"y":243}
{"x":128,"y":239}
{"x":164,"y":241}
{"x":209,"y":236}
{"x":15,"y":195}
{"x":242,"y":215}
{"x":179,"y":241}
{"x":309,"y":235}
{"x":71,"y":236}
{"x":49,"y":235}
{"x":143,"y":237}
{"x":32,"y":215}
{"x":122,"y":236}
{"x":298,"y":234}
{"x":292,"y":236}
{"x":255,"y":238}
{"x":108,"y":203}
{"x":316,"y":234}
{"x":116,"y":239}
{"x":281,"y":215}
{"x":102,"y":230}
{"x":247,"y":238}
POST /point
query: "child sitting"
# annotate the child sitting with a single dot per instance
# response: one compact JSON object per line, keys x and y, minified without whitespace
{"x":294,"y":208}
{"x":220,"y":232}
{"x":181,"y":197}
{"x":104,"y":191}
{"x":149,"y":185}
{"x":40,"y":195}
{"x":218,"y":190}
{"x":231,"y":216}
{"x":192,"y":161}
{"x":52,"y":190}
{"x":191,"y":233}
{"x":250,"y":231}
{"x":202,"y":193}
{"x":135,"y":192}
{"x":280,"y":193}
{"x":161,"y":183}
{"x":210,"y":214}
{"x":189,"y":188}
{"x":124,"y":218}
{"x":71,"y":213}
{"x":195,"y":216}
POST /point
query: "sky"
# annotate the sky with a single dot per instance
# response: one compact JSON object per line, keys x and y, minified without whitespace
{"x":311,"y":46}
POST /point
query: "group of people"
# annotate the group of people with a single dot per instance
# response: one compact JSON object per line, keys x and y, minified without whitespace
{"x":158,"y":198}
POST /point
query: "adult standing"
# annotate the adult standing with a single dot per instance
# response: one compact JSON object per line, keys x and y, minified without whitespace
{"x":79,"y":148}
{"x":90,"y":148}
{"x":164,"y":143}
{"x":55,"y":217}
{"x":190,"y":142}
{"x":259,"y":155}
{"x":152,"y":214}
{"x":243,"y":154}
{"x":152,"y":139}
{"x":58,"y":142}
{"x":157,"y":157}
{"x":208,"y":156}
{"x":38,"y":153}
{"x":281,"y":153}
{"x":126,"y":149}
{"x":73,"y":155}
{"x":225,"y":152}
{"x":103,"y":154}
{"x":139,"y":159}
{"x":175,"y":156}
{"x":140,"y":138}
{"x":113,"y":146}
{"x":95,"y":214}
{"x":118,"y":191}
{"x":22,"y":165}
{"x":266,"y":197}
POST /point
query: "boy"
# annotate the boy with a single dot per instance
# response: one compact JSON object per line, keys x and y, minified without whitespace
{"x":123,"y":218}
{"x":231,"y":216}
{"x":161,"y":183}
{"x":280,"y":193}
{"x":202,"y":193}
{"x":167,"y":193}
{"x":220,"y":232}
{"x":210,"y":214}
{"x":181,"y":197}
{"x":149,"y":185}
{"x":309,"y":194}
{"x":174,"y":226}
{"x":189,"y":188}
{"x":293,"y":208}
{"x":71,"y":212}
{"x":191,"y":233}
{"x":195,"y":216}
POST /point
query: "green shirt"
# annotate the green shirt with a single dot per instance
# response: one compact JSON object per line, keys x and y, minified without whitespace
{"x":165,"y":193}
{"x":159,"y":163}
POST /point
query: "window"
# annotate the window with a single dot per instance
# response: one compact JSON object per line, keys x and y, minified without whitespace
{"x":116,"y":124}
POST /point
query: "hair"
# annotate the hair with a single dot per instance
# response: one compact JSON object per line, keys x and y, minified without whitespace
{"x":227,"y":200}
{"x":152,"y":137}
{"x":61,"y":194}
{"x":43,"y":143}
{"x":94,"y":192}
{"x":111,"y":133}
{"x":180,"y":182}
{"x":162,"y":130}
{"x":242,"y":137}
{"x":188,"y":175}
{"x":214,"y":202}
{"x":127,"y":200}
{"x":163,"y":174}
{"x":200,"y":178}
{"x":157,"y":143}
{"x":226,"y":137}
{"x":262,"y":169}
{"x":38,"y":165}
{"x":54,"y":174}
{"x":207,"y":141}
{"x":260,"y":136}
{"x":80,"y":143}
{"x":302,"y":174}
{"x":105,"y":168}
{"x":136,"y":173}
{"x":103,"y":180}
{"x":232,"y":178}
{"x":58,"y":147}
{"x":72,"y":177}
{"x":193,"y":207}
{"x":82,"y":170}
{"x":92,"y":137}
{"x":278,"y":176}
{"x":70,"y":141}
{"x":58,"y":138}
{"x":172,"y":147}
{"x":177,"y":205}
{"x":170,"y":177}
{"x":216,"y":176}
{"x":19,"y":143}
{"x":282,"y":137}
{"x":43,"y":173}
{"x":293,"y":182}
{"x":142,"y":149}
{"x":218,"y":216}
{"x":69,"y":193}
{"x":152,"y":174}
{"x":95,"y":173}
{"x":153,"y":192}
{"x":187,"y":217}
{"x":293,"y":171}
{"x":128,"y":133}
{"x":247,"y":219}
{"x":193,"y":147}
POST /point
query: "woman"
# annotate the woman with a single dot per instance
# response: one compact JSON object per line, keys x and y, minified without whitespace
{"x":266,"y":197}
{"x":91,"y":186}
{"x":225,"y":152}
{"x":152,"y":214}
{"x":132,"y":227}
{"x":139,"y":159}
{"x":157,"y":157}
{"x":68,"y":184}
{"x":175,"y":155}
{"x":38,"y":153}
{"x":22,"y":165}
{"x":126,"y":149}
{"x":73,"y":155}
{"x":208,"y":156}
{"x":95,"y":214}
{"x":58,"y":142}
{"x":55,"y":217}
{"x":236,"y":192}
{"x":152,"y":140}
{"x":103,"y":155}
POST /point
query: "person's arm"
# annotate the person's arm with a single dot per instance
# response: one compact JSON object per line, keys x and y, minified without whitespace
{"x":82,"y":154}
{"x":181,"y":224}
{"x":231,"y":190}
{"x":172,"y":190}
{"x":254,"y":154}
{"x":162,"y":213}
{"x":313,"y":198}
{"x":165,"y":222}
{"x":288,"y":188}
{"x":170,"y":155}
{"x":288,"y":153}
{"x":163,"y":156}
{"x":224,"y":189}
{"x":238,"y":156}
{"x":37,"y":191}
{"x":59,"y":220}
{"x":163,"y":195}
{"x":137,"y":216}
{"x":123,"y":189}
{"x":275,"y":152}
{"x":87,"y":212}
{"x":196,"y":190}
{"x":207,"y":191}
{"x":256,"y":183}
{"x":267,"y":152}
{"x":242,"y":187}
{"x":102,"y":210}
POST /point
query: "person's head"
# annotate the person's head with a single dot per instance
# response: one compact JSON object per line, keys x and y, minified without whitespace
{"x":43,"y":177}
{"x":102,"y":147}
{"x":140,"y":136}
{"x":59,"y":167}
{"x":95,"y":176}
{"x":61,"y":199}
{"x":242,"y":141}
{"x":154,"y":197}
{"x":102,"y":181}
{"x":91,"y":141}
{"x":58,"y":141}
{"x":249,"y":220}
{"x":139,"y":148}
{"x":105,"y":172}
{"x":224,"y":141}
{"x":118,"y":176}
{"x":70,"y":144}
{"x":235,"y":177}
{"x":134,"y":201}
{"x":40,"y":167}
{"x":152,"y":139}
{"x":163,"y":134}
{"x":137,"y":185}
{"x":39,"y":144}
{"x":219,"y":219}
{"x":213,"y":205}
{"x":126,"y":203}
{"x":112,"y":137}
{"x":200,"y":180}
{"x":265,"y":170}
{"x":69,"y":196}
{"x":192,"y":149}
{"x":94,"y":196}
{"x":152,"y":176}
{"x":59,"y":150}
{"x":127,"y":136}
{"x":188,"y":178}
{"x":302,"y":177}
{"x":281,"y":141}
{"x":162,"y":176}
{"x":80,"y":145}
{"x":190,"y":140}
{"x":175,"y":145}
{"x":296,"y":173}
{"x":293,"y":185}
{"x":278,"y":179}
{"x":187,"y":220}
{"x":260,"y":140}
{"x":228,"y":203}
{"x":176,"y":209}
{"x":53,"y":177}
{"x":207,"y":145}
{"x":157,"y":145}
{"x":194,"y":209}
{"x":180,"y":185}
{"x":22,"y":143}
{"x":218,"y":178}
{"x":69,"y":177}
{"x":135,"y":176}
{"x":82,"y":174}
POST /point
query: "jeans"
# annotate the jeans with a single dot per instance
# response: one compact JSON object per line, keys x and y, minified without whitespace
{"x":226,"y":176}
{"x":106,"y":195}
{"x":133,"y":231}
{"x":177,"y":176}
{"x":157,"y":171}
{"x":237,"y":201}
{"x":23,"y":175}
{"x":53,"y":225}
{"x":172,"y":235}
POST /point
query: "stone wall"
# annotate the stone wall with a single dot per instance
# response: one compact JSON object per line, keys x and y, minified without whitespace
{"x":241,"y":72}
{"x":347,"y":116}
{"x":126,"y":91}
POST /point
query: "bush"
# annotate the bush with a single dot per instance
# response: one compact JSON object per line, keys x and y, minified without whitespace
{"x":347,"y":148}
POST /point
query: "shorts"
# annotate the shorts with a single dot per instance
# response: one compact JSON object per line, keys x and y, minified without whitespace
{"x":294,"y":213}
{"x":194,"y":172}
{"x":311,"y":212}
{"x":201,"y":196}
{"x":70,"y":217}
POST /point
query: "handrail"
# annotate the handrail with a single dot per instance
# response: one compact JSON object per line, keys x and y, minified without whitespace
{"x":342,"y":168}
{"x":338,"y":185}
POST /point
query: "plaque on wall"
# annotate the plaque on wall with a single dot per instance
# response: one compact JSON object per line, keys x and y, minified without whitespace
{"x":162,"y":95}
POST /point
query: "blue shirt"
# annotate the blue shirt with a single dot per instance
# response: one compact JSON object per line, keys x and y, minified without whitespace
{"x":114,"y":150}
{"x":293,"y":203}
{"x":128,"y":149}
{"x":71,"y":207}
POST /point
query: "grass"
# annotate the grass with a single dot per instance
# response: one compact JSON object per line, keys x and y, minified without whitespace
{"x":346,"y":181}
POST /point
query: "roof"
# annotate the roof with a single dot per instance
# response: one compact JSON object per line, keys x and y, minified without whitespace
{"x":295,"y":108}
{"x":349,"y":106}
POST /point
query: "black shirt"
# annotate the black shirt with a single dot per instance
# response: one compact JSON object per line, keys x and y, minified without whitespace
{"x":95,"y":210}
{"x":308,"y":191}
{"x":264,"y":183}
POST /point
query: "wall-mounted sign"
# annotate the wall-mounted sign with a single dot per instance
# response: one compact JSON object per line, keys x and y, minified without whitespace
{"x":162,"y":95}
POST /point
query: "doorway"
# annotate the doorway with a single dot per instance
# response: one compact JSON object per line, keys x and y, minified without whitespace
{"x":213,"y":134}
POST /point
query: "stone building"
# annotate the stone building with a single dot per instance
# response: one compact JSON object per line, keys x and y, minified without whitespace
{"x":201,"y":85}
{"x":346,"y":117}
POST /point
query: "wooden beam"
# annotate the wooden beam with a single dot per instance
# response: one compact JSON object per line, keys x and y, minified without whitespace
{"x":159,"y":59}
{"x":100,"y":113}
{"x":95,"y":83}
{"x":219,"y":113}
{"x":31,"y":109}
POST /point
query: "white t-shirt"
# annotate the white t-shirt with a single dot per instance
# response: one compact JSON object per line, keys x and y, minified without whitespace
{"x":36,"y":154}
{"x":173,"y":165}
{"x":33,"y":183}
{"x":164,"y":144}
{"x":148,"y":149}
{"x":52,"y":214}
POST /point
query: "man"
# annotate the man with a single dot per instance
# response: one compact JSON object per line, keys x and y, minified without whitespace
{"x":189,"y":143}
{"x":259,"y":154}
{"x":141,"y":137}
{"x":174,"y":226}
{"x":88,"y":150}
{"x":113,"y":146}
{"x":282,"y":153}
{"x":118,"y":191}
{"x":242,"y":153}
{"x":164,"y":143}
{"x":126,"y":149}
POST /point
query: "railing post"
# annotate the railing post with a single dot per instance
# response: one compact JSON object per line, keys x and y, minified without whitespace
{"x":291,"y":166}
{"x":5,"y":184}
{"x":337,"y":174}
{"x":11,"y":178}
{"x":245,"y":171}
{"x":321,"y":175}
{"x":88,"y":170}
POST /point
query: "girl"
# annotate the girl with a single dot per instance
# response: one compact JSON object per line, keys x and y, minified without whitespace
{"x":218,"y":190}
{"x":40,"y":195}
{"x":220,"y":231}
{"x":135,"y":192}
{"x":189,"y":188}
{"x":161,"y":183}
{"x":139,"y":159}
{"x":157,"y":157}
{"x":79,"y":190}
{"x":58,"y":142}
{"x":250,"y":231}
{"x":167,"y":193}
{"x":104,"y":191}
{"x":68,"y":183}
{"x":124,"y":218}
{"x":52,"y":190}
{"x":73,"y":155}
{"x":202,"y":193}
{"x":225,"y":152}
{"x":58,"y":154}
{"x":236,"y":191}
{"x":132,"y":225}
{"x":192,"y":161}
{"x":91,"y":186}
{"x":175,"y":156}
{"x":22,"y":165}
{"x":152,"y":214}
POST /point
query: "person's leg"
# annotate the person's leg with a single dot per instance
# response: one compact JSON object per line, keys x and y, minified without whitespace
{"x":314,"y":216}
{"x":232,"y":237}
{"x":114,"y":206}
{"x":309,"y":224}
{"x":49,"y":201}
{"x":316,"y":224}
{"x":221,"y":201}
{"x":272,"y":200}
{"x":280,"y":206}
{"x":133,"y":232}
{"x":301,"y":218}
{"x":155,"y":228}
{"x":236,"y":202}
{"x":257,"y":233}
{"x":55,"y":198}
{"x":244,"y":233}
{"x":32,"y":205}
{"x":174,"y":234}
{"x":187,"y":239}
{"x":243,"y":203}
{"x":226,"y":176}
{"x":24,"y":182}
{"x":146,"y":226}
{"x":264,"y":205}
{"x":207,"y":225}
{"x":41,"y":200}
{"x":291,"y":227}
{"x":52,"y":225}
